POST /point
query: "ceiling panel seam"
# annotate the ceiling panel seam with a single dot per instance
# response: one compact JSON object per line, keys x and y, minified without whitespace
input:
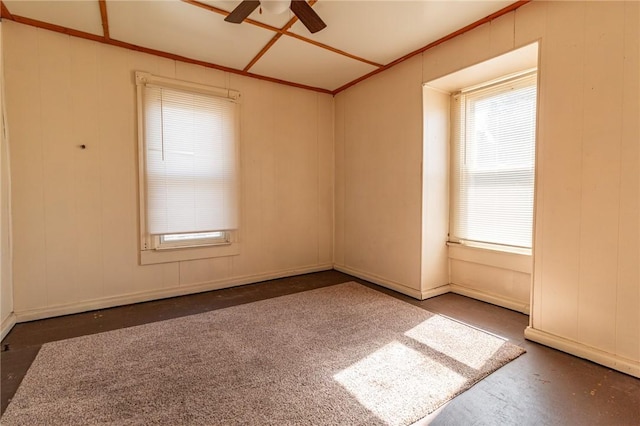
{"x":281,"y":31}
{"x":172,"y":56}
{"x":333,"y":49}
{"x":273,"y":40}
{"x":104,"y":18}
{"x":225,"y":13}
{"x":263,"y":51}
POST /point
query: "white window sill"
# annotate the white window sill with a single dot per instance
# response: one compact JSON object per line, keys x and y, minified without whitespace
{"x":492,"y":247}
{"x":150,"y":257}
{"x":514,"y":259}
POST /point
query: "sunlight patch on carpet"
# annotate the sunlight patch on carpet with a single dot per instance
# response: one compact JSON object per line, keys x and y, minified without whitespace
{"x":398,"y":375}
{"x":451,"y":338}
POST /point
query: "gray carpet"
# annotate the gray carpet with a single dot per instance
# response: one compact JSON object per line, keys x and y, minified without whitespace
{"x":344,"y":354}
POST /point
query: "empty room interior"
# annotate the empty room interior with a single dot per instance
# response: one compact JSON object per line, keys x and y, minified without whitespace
{"x":216,"y":212}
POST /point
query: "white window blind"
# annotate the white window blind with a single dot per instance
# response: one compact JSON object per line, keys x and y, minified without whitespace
{"x":190,"y":161}
{"x":493,"y":158}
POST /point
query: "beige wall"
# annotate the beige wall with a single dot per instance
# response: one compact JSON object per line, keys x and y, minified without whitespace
{"x":586,"y":276}
{"x":586,"y":280}
{"x":6,"y":295}
{"x":501,"y":278}
{"x":378,"y":178}
{"x":435,"y":192}
{"x":6,"y":286}
{"x":75,"y":211}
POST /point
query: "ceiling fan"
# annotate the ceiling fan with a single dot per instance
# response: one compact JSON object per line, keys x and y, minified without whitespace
{"x":300,"y":8}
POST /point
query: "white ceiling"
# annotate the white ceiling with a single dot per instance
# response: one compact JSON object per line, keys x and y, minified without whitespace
{"x":369,"y":33}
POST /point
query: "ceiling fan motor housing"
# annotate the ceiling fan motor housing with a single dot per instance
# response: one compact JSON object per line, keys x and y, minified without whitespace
{"x":275,"y":7}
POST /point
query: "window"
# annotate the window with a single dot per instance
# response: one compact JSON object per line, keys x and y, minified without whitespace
{"x":188,"y":164}
{"x":493,"y":156}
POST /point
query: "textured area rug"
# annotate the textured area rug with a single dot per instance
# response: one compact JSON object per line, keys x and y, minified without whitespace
{"x":344,"y":354}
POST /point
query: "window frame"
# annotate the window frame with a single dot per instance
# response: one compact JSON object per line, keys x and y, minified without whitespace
{"x":153,"y":247}
{"x":162,"y":242}
{"x":455,"y":167}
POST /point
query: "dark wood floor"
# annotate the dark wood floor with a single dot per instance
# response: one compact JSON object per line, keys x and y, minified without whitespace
{"x":542,"y":387}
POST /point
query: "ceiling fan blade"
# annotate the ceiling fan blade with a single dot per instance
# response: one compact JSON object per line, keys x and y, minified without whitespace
{"x":243,"y":10}
{"x":307,"y":15}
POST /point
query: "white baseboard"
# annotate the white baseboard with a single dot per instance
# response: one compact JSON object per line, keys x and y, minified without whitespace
{"x":494,"y":299}
{"x":400,"y":288}
{"x":7,"y":325}
{"x":502,"y":301}
{"x":438,"y":291}
{"x":109,"y":302}
{"x":580,"y":350}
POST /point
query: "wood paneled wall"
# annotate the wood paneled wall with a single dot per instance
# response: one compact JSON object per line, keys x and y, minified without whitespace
{"x":76,"y":211}
{"x":586,"y":261}
{"x":378,"y":178}
{"x":587,"y":285}
{"x":6,"y":285}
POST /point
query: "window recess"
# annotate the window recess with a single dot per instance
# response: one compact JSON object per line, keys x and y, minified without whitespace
{"x":493,"y":164}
